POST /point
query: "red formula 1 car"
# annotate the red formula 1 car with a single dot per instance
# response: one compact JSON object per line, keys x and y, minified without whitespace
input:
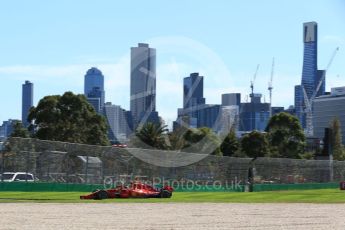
{"x":134,"y":190}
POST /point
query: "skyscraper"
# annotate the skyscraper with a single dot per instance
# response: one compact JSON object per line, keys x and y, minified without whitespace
{"x":117,"y":121}
{"x":94,"y":98}
{"x":27,"y":101}
{"x":309,"y":71}
{"x":143,"y":84}
{"x":195,"y":113}
{"x":299,"y":105}
{"x":96,"y":103}
{"x":193,"y":101}
{"x":193,"y":90}
{"x":311,"y":76}
{"x":94,"y":85}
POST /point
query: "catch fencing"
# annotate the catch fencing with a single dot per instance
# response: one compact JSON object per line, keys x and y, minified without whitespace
{"x":67,"y":163}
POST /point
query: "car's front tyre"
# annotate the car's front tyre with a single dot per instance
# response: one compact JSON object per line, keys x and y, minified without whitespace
{"x":165,"y":194}
{"x":100,"y":195}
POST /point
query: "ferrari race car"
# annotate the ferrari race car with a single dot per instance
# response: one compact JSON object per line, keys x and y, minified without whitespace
{"x":134,"y":190}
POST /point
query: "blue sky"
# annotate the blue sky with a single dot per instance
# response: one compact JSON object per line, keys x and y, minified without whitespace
{"x":53,"y":43}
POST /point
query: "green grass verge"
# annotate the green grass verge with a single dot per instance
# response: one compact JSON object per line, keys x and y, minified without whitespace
{"x":299,"y":196}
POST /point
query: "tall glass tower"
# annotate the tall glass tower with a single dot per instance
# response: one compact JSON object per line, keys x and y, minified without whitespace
{"x":143,"y":84}
{"x":94,"y":85}
{"x":311,"y":76}
{"x":27,"y":101}
{"x":309,"y":71}
{"x":193,"y":90}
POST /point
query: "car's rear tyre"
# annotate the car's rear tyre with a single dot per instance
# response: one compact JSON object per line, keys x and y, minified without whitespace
{"x":102,"y":194}
{"x":165,"y":194}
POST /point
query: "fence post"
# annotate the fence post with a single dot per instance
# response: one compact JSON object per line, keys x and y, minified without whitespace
{"x":86,"y":168}
{"x":127,"y":163}
{"x":67,"y":168}
{"x":102,"y":171}
{"x":330,"y":142}
{"x":331,"y":170}
{"x":27,"y":156}
{"x":2,"y":160}
{"x":251,"y":175}
{"x":48,"y":166}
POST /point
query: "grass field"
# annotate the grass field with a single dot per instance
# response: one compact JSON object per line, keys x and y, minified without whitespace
{"x":297,"y":196}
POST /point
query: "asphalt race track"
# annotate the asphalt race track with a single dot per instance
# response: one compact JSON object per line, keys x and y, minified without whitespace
{"x":171,"y":216}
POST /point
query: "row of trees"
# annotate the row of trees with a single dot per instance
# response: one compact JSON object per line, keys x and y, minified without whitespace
{"x":284,"y":137}
{"x":201,"y":140}
{"x":71,"y":118}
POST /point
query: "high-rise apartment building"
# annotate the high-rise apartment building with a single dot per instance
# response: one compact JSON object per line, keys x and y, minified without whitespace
{"x":27,"y":101}
{"x":143,"y":85}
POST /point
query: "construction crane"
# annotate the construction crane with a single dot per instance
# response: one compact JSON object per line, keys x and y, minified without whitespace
{"x":270,"y":86}
{"x":252,"y":81}
{"x":309,"y":102}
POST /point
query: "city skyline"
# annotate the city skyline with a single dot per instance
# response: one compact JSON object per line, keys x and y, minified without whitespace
{"x":184,"y":50}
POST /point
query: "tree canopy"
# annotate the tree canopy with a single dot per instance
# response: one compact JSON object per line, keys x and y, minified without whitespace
{"x":230,"y":144}
{"x":176,"y":139}
{"x":68,"y":118}
{"x":202,"y":140}
{"x":255,"y":144}
{"x":285,"y":135}
{"x":151,"y":134}
{"x":337,"y":146}
{"x":19,"y":130}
